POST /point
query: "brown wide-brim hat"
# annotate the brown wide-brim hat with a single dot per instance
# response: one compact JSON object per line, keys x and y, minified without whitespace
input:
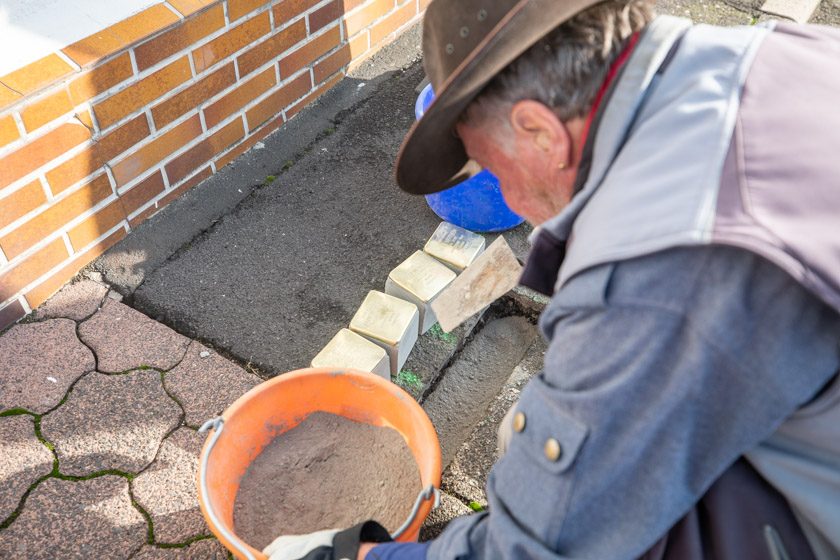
{"x":465,"y":44}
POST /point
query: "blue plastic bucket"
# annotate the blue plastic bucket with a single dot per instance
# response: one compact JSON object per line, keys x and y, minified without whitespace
{"x":477,"y":203}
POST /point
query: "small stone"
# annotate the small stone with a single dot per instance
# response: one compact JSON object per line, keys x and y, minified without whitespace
{"x":76,"y":301}
{"x":167,"y":489}
{"x":204,"y":354}
{"x":351,"y":351}
{"x":124,"y":339}
{"x":206,"y":549}
{"x":23,"y":460}
{"x":419,"y":279}
{"x":30,"y":353}
{"x":389,"y":322}
{"x":205,"y":387}
{"x":76,"y":520}
{"x":449,"y":508}
{"x":454,"y":246}
{"x":111,"y":422}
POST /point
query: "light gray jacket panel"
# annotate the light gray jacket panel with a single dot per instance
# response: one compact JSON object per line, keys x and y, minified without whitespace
{"x":780,"y":189}
{"x":661,"y":371}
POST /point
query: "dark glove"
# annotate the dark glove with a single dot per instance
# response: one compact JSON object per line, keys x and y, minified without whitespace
{"x":327,"y":545}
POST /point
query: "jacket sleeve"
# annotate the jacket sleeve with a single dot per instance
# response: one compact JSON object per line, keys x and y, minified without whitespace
{"x":660,"y":373}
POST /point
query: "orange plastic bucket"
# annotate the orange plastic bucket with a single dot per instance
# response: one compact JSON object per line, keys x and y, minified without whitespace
{"x":280,"y":404}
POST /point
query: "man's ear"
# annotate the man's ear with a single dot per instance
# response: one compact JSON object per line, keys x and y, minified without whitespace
{"x":538,"y":125}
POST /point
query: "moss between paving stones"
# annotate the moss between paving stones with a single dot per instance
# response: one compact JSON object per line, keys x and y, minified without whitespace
{"x":25,"y":461}
{"x":112,"y":423}
{"x":167,"y":491}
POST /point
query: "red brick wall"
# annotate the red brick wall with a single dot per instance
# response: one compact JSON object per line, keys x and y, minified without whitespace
{"x":96,"y":138}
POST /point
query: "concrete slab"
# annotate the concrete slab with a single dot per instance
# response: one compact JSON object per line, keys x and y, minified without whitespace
{"x":40,"y":362}
{"x":799,"y":11}
{"x":460,"y":399}
{"x":207,"y":549}
{"x":274,"y":280}
{"x":205,"y":383}
{"x":76,"y":521}
{"x":124,"y":339}
{"x":77,"y":301}
{"x":23,"y":460}
{"x":127,"y":265}
{"x":167,"y":489}
{"x":466,"y":476}
{"x":111,"y":422}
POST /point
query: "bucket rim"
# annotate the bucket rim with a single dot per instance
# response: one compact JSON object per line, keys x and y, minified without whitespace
{"x":420,"y":420}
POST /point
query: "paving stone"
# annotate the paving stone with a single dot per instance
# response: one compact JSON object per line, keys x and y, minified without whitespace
{"x":206,"y":386}
{"x":124,"y":339}
{"x":449,"y":508}
{"x":23,"y":460}
{"x":167,"y":490}
{"x":207,"y":549}
{"x":466,"y":476}
{"x":39,"y":362}
{"x":76,"y":520}
{"x":111,"y":422}
{"x":76,"y":301}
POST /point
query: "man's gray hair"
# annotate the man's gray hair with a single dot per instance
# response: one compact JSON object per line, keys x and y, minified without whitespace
{"x":565,"y":69}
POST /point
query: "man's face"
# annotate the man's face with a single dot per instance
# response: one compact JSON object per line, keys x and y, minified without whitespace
{"x":533,"y":155}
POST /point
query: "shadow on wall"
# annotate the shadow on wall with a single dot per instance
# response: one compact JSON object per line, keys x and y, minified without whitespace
{"x":100,"y":136}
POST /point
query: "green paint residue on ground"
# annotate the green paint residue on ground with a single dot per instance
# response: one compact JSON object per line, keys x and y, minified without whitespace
{"x":438,"y":333}
{"x":408,"y":379}
{"x":475,"y":506}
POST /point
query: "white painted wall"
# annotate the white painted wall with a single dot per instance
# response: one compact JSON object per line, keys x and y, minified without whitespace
{"x":32,"y":29}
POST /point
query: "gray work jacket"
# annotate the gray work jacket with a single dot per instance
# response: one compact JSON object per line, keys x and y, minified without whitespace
{"x":684,"y":334}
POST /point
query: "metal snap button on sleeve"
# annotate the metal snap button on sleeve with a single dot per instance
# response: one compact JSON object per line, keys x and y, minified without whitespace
{"x":519,"y":422}
{"x":553,"y":450}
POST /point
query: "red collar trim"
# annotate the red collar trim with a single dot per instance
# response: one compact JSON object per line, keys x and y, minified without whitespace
{"x":614,"y":69}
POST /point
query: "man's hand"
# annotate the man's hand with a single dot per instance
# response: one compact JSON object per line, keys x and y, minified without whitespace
{"x":330,"y":544}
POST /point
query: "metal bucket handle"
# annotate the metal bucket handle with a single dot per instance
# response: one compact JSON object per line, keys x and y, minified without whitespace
{"x":217,"y":424}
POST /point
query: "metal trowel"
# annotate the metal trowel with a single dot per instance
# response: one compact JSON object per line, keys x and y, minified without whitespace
{"x":493,"y":274}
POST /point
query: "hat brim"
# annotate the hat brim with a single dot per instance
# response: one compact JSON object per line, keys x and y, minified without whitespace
{"x":432,"y":158}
